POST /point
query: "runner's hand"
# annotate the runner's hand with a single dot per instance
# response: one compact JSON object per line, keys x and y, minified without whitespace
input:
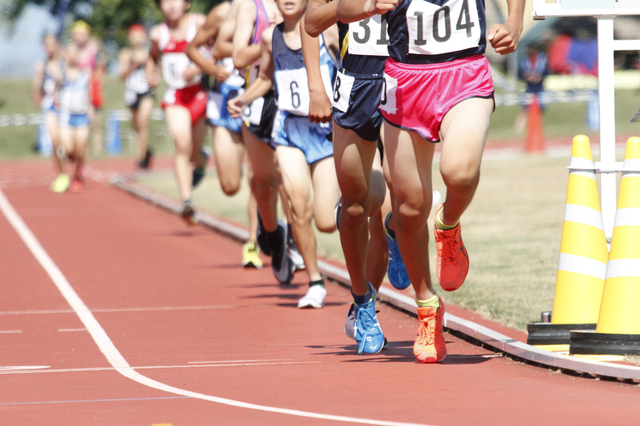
{"x":504,"y":37}
{"x":383,"y":6}
{"x":190,"y":73}
{"x":221,"y":73}
{"x":153,"y":79}
{"x":319,"y":107}
{"x":235,"y":107}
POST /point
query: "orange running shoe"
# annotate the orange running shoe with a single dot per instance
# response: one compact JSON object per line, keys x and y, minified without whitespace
{"x":430,"y":346}
{"x":76,"y":185}
{"x":452,"y":261}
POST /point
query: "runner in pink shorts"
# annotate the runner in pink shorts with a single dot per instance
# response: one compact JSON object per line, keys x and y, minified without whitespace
{"x":424,"y":94}
{"x":438,"y":88}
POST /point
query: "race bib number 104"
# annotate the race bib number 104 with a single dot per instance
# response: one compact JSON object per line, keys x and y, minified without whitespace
{"x":435,"y":30}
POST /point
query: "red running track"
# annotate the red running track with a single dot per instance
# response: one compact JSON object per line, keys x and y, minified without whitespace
{"x":177,"y":307}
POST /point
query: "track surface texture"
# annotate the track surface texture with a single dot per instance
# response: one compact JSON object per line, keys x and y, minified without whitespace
{"x":201,"y":334}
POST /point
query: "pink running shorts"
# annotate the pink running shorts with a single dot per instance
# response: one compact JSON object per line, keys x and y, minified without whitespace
{"x":417,"y":97}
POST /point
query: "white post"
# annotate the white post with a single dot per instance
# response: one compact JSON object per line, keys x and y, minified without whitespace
{"x":606,"y":96}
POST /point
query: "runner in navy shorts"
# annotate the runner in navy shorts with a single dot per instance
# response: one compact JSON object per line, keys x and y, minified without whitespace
{"x":363,"y":114}
{"x":357,"y":123}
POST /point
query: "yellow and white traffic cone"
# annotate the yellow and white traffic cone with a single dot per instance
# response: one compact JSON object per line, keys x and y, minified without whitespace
{"x":618,"y":329}
{"x":583,"y":257}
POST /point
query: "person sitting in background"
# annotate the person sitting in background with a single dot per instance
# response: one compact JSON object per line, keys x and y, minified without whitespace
{"x":138,"y":95}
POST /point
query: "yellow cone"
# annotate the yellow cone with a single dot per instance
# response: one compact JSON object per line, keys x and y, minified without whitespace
{"x":620,"y":311}
{"x":583,"y":250}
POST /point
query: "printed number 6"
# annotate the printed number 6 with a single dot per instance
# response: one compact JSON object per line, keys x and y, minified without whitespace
{"x":295,"y":97}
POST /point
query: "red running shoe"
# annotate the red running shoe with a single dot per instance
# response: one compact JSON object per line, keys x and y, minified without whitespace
{"x":430,"y":346}
{"x":452,"y":260}
{"x":76,"y":185}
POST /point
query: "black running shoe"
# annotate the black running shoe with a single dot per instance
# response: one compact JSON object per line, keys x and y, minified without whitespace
{"x":200,"y":171}
{"x":145,"y":163}
{"x":261,"y":236}
{"x":336,"y":213}
{"x":280,"y":261}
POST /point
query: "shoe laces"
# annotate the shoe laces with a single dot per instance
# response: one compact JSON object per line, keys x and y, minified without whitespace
{"x":367,"y":319}
{"x":450,"y":247}
{"x":427,"y":330}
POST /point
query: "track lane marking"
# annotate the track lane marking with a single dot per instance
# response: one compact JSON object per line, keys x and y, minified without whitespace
{"x":27,"y":370}
{"x":4,"y":404}
{"x":138,"y":309}
{"x":115,"y":358}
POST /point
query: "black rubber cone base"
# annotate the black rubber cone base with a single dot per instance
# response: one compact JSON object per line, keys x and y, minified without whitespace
{"x":544,"y":333}
{"x":592,"y":343}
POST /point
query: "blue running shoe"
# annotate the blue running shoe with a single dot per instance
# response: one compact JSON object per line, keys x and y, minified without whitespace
{"x":367,"y":331}
{"x":396,"y":270}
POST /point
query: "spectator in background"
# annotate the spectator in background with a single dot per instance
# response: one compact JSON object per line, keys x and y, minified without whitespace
{"x":93,"y":59}
{"x":48,"y":78}
{"x":532,"y":69}
{"x":138,"y":96}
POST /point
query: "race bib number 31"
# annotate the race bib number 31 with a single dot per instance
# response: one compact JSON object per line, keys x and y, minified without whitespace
{"x":437,"y":29}
{"x":369,"y":37}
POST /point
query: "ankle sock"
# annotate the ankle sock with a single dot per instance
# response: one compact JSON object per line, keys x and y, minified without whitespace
{"x":361,"y":299}
{"x":440,"y":224}
{"x":433,"y":301}
{"x":319,"y":282}
{"x":390,"y":231}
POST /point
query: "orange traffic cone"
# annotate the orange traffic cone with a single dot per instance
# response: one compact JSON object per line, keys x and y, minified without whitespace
{"x":618,"y":330}
{"x":535,"y":141}
{"x":583,"y":257}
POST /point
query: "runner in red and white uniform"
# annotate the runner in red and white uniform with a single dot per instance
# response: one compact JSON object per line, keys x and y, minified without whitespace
{"x":184,"y":100}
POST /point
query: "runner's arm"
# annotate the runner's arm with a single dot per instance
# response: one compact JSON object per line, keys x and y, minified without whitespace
{"x":504,"y":37}
{"x":223,"y":47}
{"x":193,"y":70}
{"x":208,"y":32}
{"x":320,"y":15}
{"x":36,"y":90}
{"x":245,"y":54}
{"x":126,"y":64}
{"x":151,"y":68}
{"x":263,"y":83}
{"x":319,"y":102}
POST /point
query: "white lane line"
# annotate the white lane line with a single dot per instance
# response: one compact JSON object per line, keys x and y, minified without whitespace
{"x":112,"y":354}
{"x":235,"y":361}
{"x":23,"y":368}
{"x":63,"y":330}
{"x":28,"y":370}
{"x":149,"y":309}
{"x":76,"y":401}
{"x":10,"y":331}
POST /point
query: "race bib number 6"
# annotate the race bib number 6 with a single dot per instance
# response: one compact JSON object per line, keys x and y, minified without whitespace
{"x":293,"y":89}
{"x":435,"y":29}
{"x":369,"y":37}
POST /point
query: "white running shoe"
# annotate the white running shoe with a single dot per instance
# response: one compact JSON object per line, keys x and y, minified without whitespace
{"x":350,"y":323}
{"x":314,"y":297}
